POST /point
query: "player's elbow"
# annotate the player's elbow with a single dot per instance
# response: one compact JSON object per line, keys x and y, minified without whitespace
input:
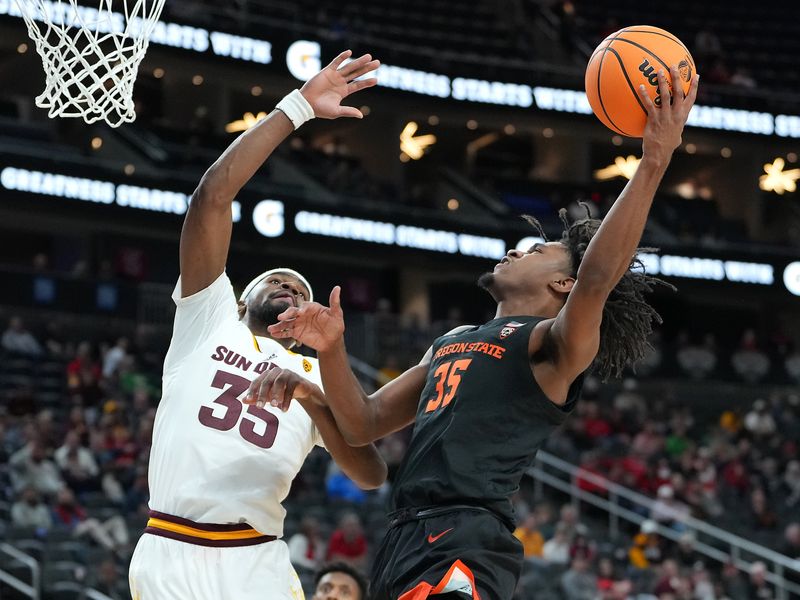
{"x":373,"y":477}
{"x":357,"y":438}
{"x":210,"y":193}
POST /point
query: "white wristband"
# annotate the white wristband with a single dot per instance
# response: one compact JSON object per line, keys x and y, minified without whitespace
{"x":296,"y":108}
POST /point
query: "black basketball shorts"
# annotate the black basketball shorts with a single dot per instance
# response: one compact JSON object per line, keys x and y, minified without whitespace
{"x":464,"y":552}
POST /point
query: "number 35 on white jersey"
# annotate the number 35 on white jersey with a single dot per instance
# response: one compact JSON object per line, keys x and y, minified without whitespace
{"x":214,"y":459}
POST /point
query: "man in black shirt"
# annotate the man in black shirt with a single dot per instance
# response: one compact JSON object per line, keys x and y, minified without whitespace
{"x":484,"y":399}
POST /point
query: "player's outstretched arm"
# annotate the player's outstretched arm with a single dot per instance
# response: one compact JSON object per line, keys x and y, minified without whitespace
{"x":575,"y":332}
{"x":362,"y":418}
{"x":206,"y":234}
{"x":278,"y":387}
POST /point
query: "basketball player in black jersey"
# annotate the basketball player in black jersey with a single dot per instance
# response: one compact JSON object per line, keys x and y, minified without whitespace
{"x":484,"y":398}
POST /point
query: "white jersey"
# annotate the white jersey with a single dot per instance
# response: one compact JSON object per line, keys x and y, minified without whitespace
{"x":215,"y":459}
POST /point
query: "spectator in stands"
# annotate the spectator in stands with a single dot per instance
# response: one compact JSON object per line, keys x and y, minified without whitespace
{"x":645,"y":551}
{"x":759,"y":589}
{"x":733,"y":584}
{"x":570,"y":521}
{"x":114,"y":357}
{"x":792,"y":366}
{"x":30,"y":467}
{"x":684,"y":552}
{"x":698,"y":361}
{"x":791,"y":481}
{"x":791,"y":546}
{"x":138,"y":495}
{"x":390,"y":369}
{"x":30,"y":511}
{"x":669,"y":581}
{"x":581,"y":545}
{"x":706,"y":46}
{"x":111,"y":534}
{"x":669,"y":511}
{"x":531,"y":538}
{"x":348,"y":543}
{"x":339,"y":581}
{"x":109,"y":581}
{"x":19,"y":340}
{"x":649,"y":441}
{"x":759,"y":422}
{"x":578,"y":582}
{"x":763,"y":516}
{"x":743,"y":78}
{"x":77,"y":464}
{"x":340,"y":487}
{"x":749,"y":361}
{"x":306,"y":548}
{"x":718,"y":73}
{"x":556,"y":550}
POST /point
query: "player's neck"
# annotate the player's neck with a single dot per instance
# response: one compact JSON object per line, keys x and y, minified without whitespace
{"x":526,"y":306}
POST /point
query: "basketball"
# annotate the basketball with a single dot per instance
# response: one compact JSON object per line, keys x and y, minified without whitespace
{"x":626,"y":59}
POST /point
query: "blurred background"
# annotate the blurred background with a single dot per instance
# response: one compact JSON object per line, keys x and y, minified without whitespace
{"x":680,"y":481}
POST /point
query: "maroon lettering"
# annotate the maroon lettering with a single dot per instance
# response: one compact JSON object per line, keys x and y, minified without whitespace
{"x":244,"y":364}
{"x":220,"y":353}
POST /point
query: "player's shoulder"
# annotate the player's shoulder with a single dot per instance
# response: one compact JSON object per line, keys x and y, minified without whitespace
{"x":459,"y":329}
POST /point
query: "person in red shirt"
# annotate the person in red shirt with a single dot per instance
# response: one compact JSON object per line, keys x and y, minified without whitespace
{"x":348,"y":543}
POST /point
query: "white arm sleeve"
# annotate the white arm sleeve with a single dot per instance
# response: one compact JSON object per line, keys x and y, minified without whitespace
{"x":198,"y":316}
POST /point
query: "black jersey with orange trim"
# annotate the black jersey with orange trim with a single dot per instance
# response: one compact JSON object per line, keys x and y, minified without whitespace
{"x":481,"y":418}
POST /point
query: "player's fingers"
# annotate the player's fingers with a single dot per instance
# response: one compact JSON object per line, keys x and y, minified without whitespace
{"x":677,"y":89}
{"x":335,"y":300}
{"x":289,"y":393}
{"x":251,"y":396}
{"x":348,"y":70}
{"x":264,"y":391}
{"x":278,"y":391}
{"x":663,"y":87}
{"x":688,"y":102}
{"x":363,"y":69}
{"x":355,"y":86}
{"x":646,"y":100}
{"x":289,"y":313}
{"x":336,"y":62}
{"x":349,"y":111}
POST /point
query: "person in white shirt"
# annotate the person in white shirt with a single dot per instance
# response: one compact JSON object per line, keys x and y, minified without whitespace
{"x":77,"y":464}
{"x":306,"y":547}
{"x":114,"y":357}
{"x":221,"y":462}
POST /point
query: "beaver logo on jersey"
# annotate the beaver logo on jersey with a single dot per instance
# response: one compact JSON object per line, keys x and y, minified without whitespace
{"x":306,"y":365}
{"x":509,"y":328}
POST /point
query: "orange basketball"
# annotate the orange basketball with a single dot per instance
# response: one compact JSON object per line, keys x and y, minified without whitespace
{"x":626,"y":59}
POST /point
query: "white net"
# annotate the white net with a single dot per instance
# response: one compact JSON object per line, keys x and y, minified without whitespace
{"x":90,"y":54}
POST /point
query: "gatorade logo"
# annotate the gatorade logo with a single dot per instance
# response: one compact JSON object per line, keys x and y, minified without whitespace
{"x":302,"y":59}
{"x":791,"y":278}
{"x":268,"y":218}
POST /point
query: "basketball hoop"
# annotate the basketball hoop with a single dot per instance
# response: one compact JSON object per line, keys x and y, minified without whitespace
{"x":90,"y":55}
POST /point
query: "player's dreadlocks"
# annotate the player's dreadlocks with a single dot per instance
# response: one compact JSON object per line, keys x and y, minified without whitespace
{"x":627,"y":317}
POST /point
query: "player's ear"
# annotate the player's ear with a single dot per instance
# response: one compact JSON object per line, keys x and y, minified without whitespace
{"x":242,"y":308}
{"x":562,"y":285}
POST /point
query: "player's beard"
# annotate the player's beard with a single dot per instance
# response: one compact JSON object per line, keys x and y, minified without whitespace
{"x":268,"y":311}
{"x":486,"y":281}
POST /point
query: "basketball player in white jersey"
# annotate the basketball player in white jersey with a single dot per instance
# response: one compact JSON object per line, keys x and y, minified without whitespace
{"x":219,"y":466}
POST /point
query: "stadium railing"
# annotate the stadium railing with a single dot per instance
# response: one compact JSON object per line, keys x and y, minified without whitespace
{"x":717,"y":544}
{"x":32,"y":589}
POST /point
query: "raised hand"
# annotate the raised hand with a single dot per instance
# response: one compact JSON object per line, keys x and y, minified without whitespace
{"x":277,"y":387}
{"x":662,"y":134}
{"x":312,"y":324}
{"x":326,"y":90}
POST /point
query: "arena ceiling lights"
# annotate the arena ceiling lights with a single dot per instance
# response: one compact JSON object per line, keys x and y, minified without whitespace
{"x":621,"y":167}
{"x":776,"y":179}
{"x":303,"y":60}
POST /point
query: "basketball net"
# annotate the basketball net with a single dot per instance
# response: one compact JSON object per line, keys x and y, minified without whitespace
{"x":90,"y":55}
